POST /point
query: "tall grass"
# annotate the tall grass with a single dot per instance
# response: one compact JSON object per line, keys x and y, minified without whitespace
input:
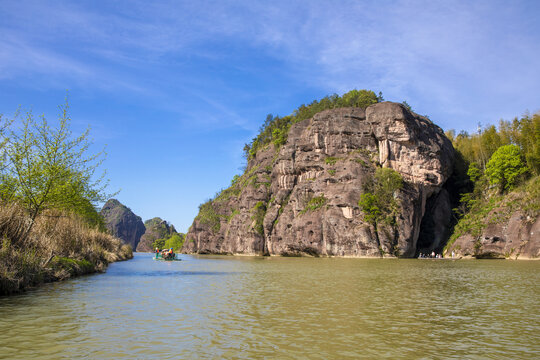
{"x":56,"y":247}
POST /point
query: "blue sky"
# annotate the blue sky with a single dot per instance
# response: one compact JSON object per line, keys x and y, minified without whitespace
{"x":175,"y":88}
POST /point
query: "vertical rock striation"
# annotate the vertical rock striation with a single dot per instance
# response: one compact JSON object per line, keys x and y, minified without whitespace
{"x":303,"y":199}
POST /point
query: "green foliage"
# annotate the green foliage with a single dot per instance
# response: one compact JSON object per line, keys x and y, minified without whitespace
{"x":208,"y":216}
{"x":407,"y":105}
{"x":370,"y":206}
{"x":331,"y":160}
{"x":505,"y":167}
{"x":378,"y":200}
{"x":233,"y":214}
{"x":168,"y":239}
{"x":235,"y":179}
{"x":523,"y":132}
{"x":494,"y":155}
{"x":259,"y":211}
{"x":474,"y":171}
{"x":159,"y":243}
{"x":496,"y":208}
{"x":72,"y":266}
{"x":315,"y":203}
{"x":49,"y":168}
{"x":175,"y":241}
{"x":332,"y":172}
{"x":275,"y":129}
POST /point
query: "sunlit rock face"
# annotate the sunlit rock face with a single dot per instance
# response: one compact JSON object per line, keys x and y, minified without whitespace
{"x":326,"y":161}
{"x":122,"y":222}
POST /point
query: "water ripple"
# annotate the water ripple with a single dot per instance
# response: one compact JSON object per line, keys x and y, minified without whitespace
{"x":245,"y":308}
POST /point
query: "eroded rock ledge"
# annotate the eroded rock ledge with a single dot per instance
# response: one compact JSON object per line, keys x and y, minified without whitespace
{"x":270,"y":211}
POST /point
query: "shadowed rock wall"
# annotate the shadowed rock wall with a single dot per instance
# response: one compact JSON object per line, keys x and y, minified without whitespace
{"x":122,"y":222}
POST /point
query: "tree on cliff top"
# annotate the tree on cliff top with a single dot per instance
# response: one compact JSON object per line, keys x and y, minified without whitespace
{"x":48,"y":168}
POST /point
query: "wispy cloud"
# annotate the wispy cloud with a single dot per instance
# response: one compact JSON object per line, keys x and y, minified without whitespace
{"x":445,"y":53}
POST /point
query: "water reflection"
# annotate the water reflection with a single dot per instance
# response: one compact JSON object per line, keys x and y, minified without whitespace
{"x":223,"y":307}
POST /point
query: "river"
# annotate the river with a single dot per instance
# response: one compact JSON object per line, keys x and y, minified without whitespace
{"x":210,"y":307}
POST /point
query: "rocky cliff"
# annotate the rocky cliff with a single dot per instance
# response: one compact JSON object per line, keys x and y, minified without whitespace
{"x":156,"y":228}
{"x":302,"y":199}
{"x":122,"y":222}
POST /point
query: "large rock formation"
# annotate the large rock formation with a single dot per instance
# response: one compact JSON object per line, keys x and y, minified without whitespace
{"x":122,"y":222}
{"x":156,"y":228}
{"x":303,"y":199}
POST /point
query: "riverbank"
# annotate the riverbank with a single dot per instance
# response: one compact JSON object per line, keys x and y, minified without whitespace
{"x":57,"y":246}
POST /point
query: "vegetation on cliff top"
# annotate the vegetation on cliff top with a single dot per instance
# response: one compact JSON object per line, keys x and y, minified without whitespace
{"x":275,"y":129}
{"x":49,"y":224}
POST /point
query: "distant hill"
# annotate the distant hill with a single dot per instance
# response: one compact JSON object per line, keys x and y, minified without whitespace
{"x":156,"y":228}
{"x":122,"y":222}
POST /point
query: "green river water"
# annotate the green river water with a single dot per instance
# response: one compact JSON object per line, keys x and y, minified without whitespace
{"x":281,"y":308}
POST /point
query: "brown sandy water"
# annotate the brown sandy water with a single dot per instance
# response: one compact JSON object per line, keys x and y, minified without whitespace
{"x":287,"y":308}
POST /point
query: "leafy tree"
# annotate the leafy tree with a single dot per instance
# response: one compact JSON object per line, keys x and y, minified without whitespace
{"x":48,"y":168}
{"x":175,"y":241}
{"x":159,"y":243}
{"x":378,"y":202}
{"x":359,"y":98}
{"x":505,"y":167}
{"x":387,"y":182}
{"x":369,"y":205}
{"x":474,"y":171}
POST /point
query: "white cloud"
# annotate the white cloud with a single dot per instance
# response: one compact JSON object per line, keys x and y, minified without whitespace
{"x":458,"y":52}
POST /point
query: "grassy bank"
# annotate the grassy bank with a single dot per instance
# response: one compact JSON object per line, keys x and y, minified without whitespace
{"x":56,"y":247}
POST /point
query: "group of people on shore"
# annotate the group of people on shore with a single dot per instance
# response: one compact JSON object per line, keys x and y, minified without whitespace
{"x":433,"y":255}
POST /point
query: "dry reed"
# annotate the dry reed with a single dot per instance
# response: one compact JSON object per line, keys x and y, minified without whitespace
{"x":56,"y":247}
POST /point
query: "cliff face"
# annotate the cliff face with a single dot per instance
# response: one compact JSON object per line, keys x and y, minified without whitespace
{"x":303,"y":199}
{"x":122,"y":222}
{"x":156,"y":228}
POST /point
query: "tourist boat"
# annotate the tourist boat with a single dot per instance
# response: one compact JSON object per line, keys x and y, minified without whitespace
{"x":159,"y":256}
